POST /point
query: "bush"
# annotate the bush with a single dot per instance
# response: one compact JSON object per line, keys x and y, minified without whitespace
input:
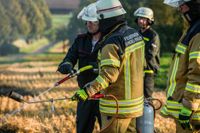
{"x":7,"y":49}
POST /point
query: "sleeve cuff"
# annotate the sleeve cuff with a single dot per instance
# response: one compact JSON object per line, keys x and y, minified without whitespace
{"x":190,"y":105}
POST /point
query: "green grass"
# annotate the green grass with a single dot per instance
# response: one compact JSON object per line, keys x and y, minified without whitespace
{"x":59,"y":20}
{"x":161,"y":78}
{"x":34,"y":46}
{"x":55,"y":57}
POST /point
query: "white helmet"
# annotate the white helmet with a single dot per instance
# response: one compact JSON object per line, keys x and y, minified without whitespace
{"x":109,"y":8}
{"x":88,"y":13}
{"x":144,"y":12}
{"x":175,"y":3}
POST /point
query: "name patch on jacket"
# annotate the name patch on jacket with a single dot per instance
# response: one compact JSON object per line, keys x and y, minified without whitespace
{"x":132,"y":38}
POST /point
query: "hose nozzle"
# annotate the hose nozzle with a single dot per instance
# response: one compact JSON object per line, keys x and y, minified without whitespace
{"x":15,"y":96}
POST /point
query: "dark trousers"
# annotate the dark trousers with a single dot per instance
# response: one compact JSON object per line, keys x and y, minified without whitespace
{"x":87,"y":112}
{"x":148,"y":85}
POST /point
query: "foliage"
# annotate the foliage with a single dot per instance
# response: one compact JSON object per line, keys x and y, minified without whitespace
{"x":5,"y":27}
{"x":168,"y":22}
{"x":77,"y":26}
{"x":17,"y":20}
{"x":59,"y":20}
{"x":23,"y":18}
{"x":59,"y":26}
{"x":8,"y":49}
{"x":61,"y":33}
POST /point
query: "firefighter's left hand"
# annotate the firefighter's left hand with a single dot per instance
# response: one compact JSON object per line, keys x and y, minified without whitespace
{"x":80,"y":95}
{"x":184,"y":118}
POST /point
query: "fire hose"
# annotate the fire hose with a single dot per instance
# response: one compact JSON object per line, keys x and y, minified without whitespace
{"x":97,"y":96}
{"x":150,"y":102}
{"x":19,"y":98}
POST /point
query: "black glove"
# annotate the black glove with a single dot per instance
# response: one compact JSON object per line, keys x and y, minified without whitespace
{"x":65,"y":68}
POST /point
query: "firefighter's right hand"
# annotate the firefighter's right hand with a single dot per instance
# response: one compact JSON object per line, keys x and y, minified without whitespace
{"x":65,"y":68}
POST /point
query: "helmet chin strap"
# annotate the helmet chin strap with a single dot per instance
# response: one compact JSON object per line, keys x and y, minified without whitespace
{"x":144,"y":28}
{"x":187,"y":17}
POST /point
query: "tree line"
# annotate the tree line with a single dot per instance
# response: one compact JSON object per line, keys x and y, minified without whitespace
{"x":23,"y":18}
{"x":31,"y":18}
{"x":168,"y":22}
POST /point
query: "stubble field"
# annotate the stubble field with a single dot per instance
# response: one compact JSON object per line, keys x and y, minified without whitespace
{"x":30,"y":79}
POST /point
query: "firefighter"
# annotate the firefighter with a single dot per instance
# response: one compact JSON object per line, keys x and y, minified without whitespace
{"x":183,"y":87}
{"x":84,"y":50}
{"x":121,"y":60}
{"x":144,"y":20}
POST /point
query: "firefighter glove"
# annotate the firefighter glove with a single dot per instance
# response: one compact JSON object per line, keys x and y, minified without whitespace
{"x":184,"y":118}
{"x":80,"y":95}
{"x":65,"y":68}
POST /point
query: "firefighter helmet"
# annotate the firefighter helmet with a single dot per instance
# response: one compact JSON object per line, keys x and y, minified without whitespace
{"x":109,"y":8}
{"x":89,"y":13}
{"x":144,"y":12}
{"x":175,"y":3}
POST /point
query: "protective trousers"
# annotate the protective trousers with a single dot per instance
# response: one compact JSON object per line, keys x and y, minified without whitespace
{"x":179,"y":129}
{"x":87,"y":112}
{"x":148,"y":85}
{"x":126,"y":125}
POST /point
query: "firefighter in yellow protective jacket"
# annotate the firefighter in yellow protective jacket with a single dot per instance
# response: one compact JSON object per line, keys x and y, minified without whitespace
{"x":183,"y":88}
{"x":121,"y":70}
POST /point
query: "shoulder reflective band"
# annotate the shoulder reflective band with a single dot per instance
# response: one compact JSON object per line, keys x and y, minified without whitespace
{"x":194,"y":55}
{"x":133,"y":47}
{"x":181,"y":48}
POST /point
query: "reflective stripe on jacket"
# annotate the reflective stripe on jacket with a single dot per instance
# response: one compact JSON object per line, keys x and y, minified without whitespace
{"x":121,"y":74}
{"x":183,"y":87}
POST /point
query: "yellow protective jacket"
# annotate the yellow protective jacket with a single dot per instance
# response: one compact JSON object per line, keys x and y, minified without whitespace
{"x":121,"y":72}
{"x":183,"y":87}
